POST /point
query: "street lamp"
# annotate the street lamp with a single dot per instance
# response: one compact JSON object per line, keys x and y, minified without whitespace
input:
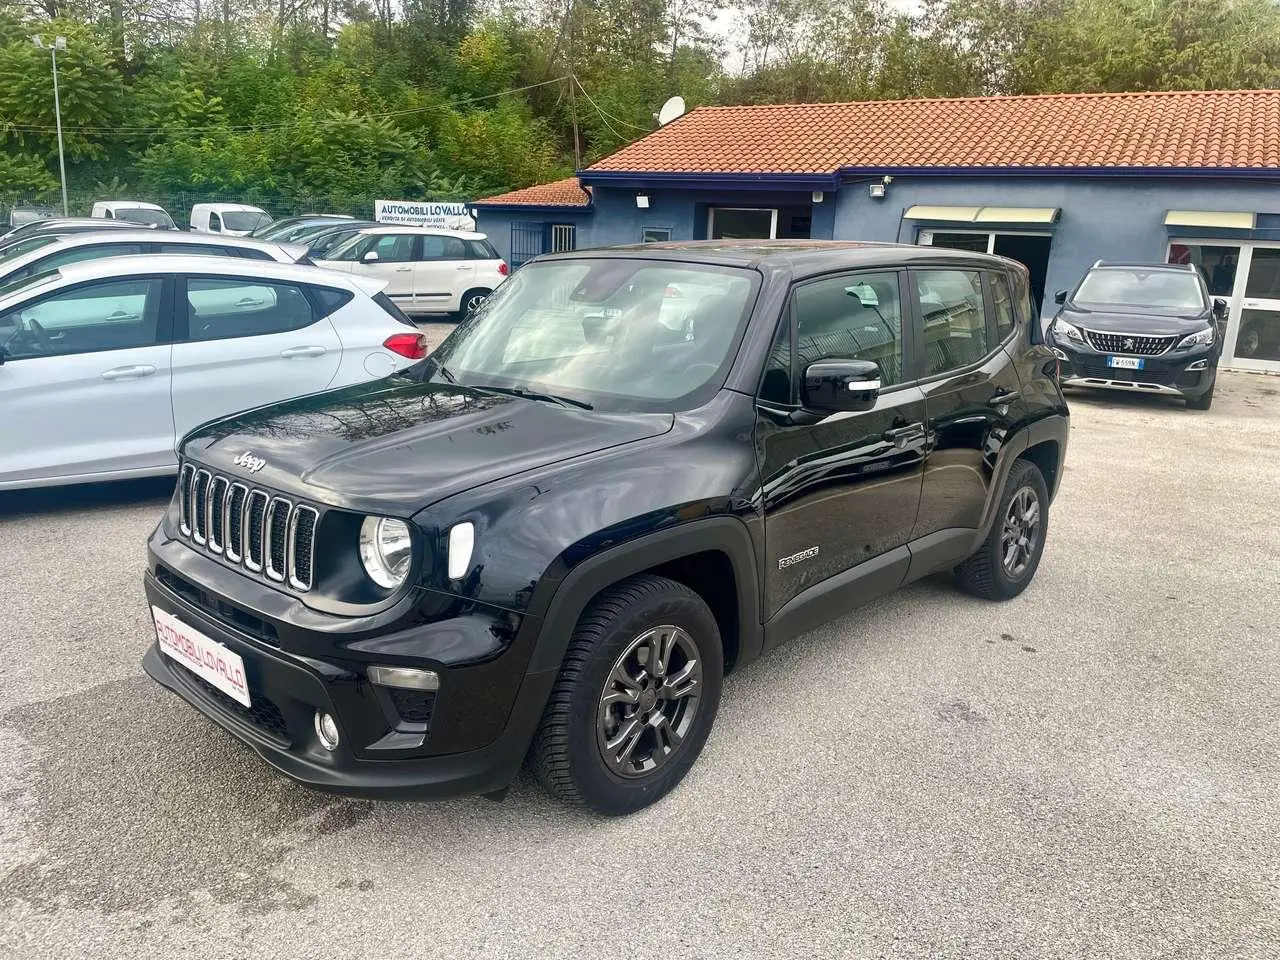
{"x":59,"y":43}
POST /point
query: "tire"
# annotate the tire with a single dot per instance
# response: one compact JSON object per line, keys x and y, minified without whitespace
{"x":609,"y":642}
{"x":1202,"y":402}
{"x":471,"y":301}
{"x":986,"y":573}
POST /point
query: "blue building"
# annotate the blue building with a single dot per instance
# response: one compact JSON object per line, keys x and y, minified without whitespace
{"x":1055,"y":181}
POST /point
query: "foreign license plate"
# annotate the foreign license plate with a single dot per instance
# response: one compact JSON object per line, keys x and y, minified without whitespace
{"x":1126,"y":363}
{"x":202,"y":655}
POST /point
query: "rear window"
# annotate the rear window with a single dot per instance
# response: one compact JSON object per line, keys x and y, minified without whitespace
{"x":329,"y":299}
{"x":382,"y":300}
{"x":481,"y":250}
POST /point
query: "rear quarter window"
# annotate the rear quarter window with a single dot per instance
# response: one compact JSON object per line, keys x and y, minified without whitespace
{"x":481,"y":250}
{"x":328,"y":300}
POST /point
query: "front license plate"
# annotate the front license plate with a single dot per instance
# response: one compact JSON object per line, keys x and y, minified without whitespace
{"x":203,"y":656}
{"x":1126,"y":363}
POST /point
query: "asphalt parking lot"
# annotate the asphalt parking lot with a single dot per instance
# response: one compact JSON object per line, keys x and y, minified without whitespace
{"x":1091,"y":770}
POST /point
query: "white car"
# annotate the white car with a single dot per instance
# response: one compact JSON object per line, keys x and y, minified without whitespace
{"x":105,"y":364}
{"x":426,"y":270}
{"x":232,"y":219}
{"x":51,"y":251}
{"x":134,"y":211}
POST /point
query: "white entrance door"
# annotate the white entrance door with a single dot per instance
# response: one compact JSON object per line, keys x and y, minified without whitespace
{"x":1253,"y":336}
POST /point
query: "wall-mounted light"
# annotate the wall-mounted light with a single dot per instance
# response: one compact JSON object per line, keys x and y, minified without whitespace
{"x":817,"y":196}
{"x":642,"y":201}
{"x":876,"y":190}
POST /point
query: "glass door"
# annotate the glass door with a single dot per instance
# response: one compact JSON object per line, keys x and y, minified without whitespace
{"x":1257,"y":326}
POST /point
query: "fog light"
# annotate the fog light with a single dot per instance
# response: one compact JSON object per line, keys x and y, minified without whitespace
{"x":326,"y":730}
{"x":1198,"y":365}
{"x":1059,"y":354}
{"x":407,"y":678}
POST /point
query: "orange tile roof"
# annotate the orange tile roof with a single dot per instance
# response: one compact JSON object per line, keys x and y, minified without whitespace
{"x":1216,"y":129}
{"x":560,"y":193}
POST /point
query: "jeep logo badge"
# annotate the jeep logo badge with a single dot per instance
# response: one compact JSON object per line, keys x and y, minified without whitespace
{"x":249,"y":462}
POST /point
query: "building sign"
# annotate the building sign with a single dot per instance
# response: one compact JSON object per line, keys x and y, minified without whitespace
{"x":423,"y":213}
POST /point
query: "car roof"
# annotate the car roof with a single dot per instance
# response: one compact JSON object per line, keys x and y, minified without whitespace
{"x":1138,"y":264}
{"x":425,"y":231}
{"x":138,"y":235}
{"x":150,"y":264}
{"x":800,"y":257}
{"x":130,"y":205}
{"x":229,"y":207}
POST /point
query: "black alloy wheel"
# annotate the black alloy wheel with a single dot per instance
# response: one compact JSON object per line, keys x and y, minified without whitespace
{"x":636,"y":697}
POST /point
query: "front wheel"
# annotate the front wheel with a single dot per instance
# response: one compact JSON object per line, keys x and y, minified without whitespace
{"x":1202,"y":402}
{"x":1002,"y":567}
{"x":635,"y":700}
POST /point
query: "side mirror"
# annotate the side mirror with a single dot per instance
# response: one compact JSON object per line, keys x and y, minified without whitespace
{"x":836,"y":386}
{"x":370,"y":256}
{"x":1060,"y":297}
{"x":1219,"y":307}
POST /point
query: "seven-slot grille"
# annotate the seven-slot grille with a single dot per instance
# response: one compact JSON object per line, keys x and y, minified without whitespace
{"x":1128,"y":343}
{"x":263,"y":532}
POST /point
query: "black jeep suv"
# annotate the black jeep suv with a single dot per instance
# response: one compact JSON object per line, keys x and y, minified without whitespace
{"x":1145,"y":327}
{"x":630,"y":471}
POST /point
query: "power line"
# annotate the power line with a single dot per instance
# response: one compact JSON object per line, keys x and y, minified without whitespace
{"x":126,"y":131}
{"x":605,"y":114}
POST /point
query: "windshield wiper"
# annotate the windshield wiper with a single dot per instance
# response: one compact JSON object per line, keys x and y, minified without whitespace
{"x":527,"y":394}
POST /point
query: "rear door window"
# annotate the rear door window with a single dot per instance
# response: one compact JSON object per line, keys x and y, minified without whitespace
{"x":955,"y":319}
{"x":223,"y":307}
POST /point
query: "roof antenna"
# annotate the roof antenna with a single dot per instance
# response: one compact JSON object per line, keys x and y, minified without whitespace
{"x":671,"y":110}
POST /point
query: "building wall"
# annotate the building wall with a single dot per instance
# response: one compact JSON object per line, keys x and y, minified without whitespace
{"x":1107,"y":219}
{"x":496,"y":224}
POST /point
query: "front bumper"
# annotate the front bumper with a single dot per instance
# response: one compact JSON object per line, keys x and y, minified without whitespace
{"x":471,"y":736}
{"x":1185,"y":373}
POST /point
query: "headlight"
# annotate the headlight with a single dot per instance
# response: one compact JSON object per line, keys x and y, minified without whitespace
{"x":1068,"y":330}
{"x":1202,"y":339}
{"x":386,"y":550}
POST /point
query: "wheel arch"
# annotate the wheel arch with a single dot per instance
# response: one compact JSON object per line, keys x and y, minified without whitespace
{"x":1042,"y":442}
{"x":713,"y":557}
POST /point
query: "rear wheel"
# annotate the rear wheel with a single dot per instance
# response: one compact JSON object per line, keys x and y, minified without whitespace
{"x":472,"y":299}
{"x":635,"y":699}
{"x":1006,"y":562}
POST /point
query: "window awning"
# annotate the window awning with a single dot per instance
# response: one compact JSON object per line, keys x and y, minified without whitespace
{"x":1039,"y":215}
{"x":1222,"y":219}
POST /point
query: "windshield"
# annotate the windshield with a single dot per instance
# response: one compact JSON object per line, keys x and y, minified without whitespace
{"x":329,"y":241}
{"x":12,"y":251}
{"x":1136,"y":287}
{"x":244,"y":219}
{"x":629,"y":334}
{"x":152,"y":218}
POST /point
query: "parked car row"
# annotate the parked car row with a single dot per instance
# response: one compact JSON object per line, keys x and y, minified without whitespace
{"x":116,"y":339}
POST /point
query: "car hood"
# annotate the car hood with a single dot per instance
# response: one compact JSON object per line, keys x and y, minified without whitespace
{"x":395,"y":447}
{"x":1133,"y":321}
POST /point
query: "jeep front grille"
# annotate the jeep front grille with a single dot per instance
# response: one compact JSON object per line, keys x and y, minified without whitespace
{"x":253,"y":528}
{"x":1129,"y":343}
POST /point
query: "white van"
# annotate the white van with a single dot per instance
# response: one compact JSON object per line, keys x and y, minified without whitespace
{"x":236,"y":219}
{"x":134,"y":211}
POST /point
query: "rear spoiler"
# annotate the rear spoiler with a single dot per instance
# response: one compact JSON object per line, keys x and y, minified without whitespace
{"x":370,"y":285}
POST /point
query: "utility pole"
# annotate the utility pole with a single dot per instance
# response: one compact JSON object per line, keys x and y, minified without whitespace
{"x":573,"y":113}
{"x":59,"y":43}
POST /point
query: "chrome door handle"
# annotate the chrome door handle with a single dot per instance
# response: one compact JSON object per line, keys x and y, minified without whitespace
{"x":901,"y":436}
{"x":314,"y":351}
{"x":404,"y":269}
{"x":134,"y":371}
{"x":1000,"y":399}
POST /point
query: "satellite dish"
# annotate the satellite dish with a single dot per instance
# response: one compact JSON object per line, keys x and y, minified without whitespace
{"x":671,"y":110}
